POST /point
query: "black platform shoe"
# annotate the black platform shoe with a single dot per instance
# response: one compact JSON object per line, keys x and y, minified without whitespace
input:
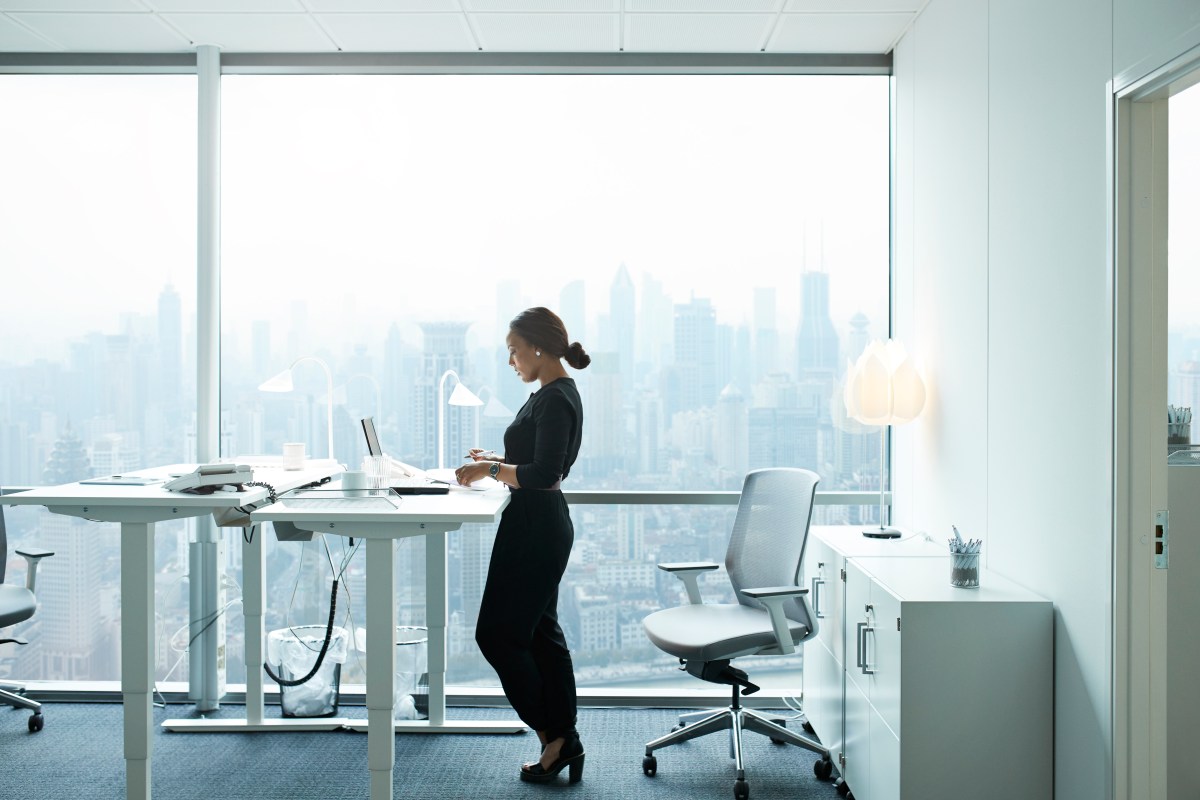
{"x":571,"y":756}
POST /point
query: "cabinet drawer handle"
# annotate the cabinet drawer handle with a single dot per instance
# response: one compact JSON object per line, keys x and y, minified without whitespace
{"x":858,"y":645}
{"x":863,"y":629}
{"x":817,"y":583}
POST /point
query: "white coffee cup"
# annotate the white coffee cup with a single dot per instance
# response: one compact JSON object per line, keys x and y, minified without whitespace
{"x":293,"y":455}
{"x":354,"y":479}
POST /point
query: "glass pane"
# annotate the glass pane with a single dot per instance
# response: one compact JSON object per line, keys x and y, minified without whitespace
{"x":1183,"y":256}
{"x":718,"y":244}
{"x":97,"y":373}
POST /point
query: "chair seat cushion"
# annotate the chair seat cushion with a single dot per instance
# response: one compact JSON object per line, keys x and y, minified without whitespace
{"x":16,"y":604}
{"x":713,"y":632}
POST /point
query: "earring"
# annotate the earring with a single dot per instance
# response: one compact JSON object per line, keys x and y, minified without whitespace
{"x":537,"y":353}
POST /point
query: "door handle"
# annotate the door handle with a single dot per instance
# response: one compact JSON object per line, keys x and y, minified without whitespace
{"x":863,"y":629}
{"x":858,"y":646}
{"x":817,"y":583}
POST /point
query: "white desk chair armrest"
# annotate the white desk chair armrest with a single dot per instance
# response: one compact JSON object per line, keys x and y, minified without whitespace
{"x":689,"y":572}
{"x":32,"y":556}
{"x":773,"y":598}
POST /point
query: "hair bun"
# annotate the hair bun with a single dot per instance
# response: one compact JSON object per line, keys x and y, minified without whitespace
{"x":576,"y":356}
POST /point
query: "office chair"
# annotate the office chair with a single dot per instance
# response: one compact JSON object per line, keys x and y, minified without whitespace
{"x":771,"y":616}
{"x":17,"y":604}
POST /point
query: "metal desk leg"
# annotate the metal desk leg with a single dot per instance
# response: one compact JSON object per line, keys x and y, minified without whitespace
{"x":381,"y":665}
{"x":435,"y":619}
{"x":137,"y":653}
{"x":254,"y":599}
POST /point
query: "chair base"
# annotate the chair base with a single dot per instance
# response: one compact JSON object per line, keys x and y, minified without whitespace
{"x":735,"y":719}
{"x":8,"y":698}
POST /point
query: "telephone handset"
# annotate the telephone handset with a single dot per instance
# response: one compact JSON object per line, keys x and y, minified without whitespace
{"x":211,"y":475}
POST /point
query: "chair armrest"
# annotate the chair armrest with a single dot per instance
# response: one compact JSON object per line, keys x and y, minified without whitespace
{"x":689,"y":572}
{"x":32,"y":556}
{"x":773,"y":598}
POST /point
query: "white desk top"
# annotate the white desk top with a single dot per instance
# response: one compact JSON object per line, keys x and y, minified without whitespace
{"x":153,"y":495}
{"x":457,"y":506}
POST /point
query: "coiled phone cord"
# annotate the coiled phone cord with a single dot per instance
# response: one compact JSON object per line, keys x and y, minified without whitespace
{"x":320,"y":655}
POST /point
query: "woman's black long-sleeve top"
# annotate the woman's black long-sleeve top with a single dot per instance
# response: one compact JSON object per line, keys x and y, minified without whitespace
{"x":543,"y":439}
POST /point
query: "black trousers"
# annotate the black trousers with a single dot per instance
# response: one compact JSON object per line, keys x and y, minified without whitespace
{"x":518,"y":631}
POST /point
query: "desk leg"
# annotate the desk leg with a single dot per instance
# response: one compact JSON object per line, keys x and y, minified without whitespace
{"x":254,"y":599}
{"x":381,"y":665}
{"x":436,"y":612}
{"x":137,"y":653}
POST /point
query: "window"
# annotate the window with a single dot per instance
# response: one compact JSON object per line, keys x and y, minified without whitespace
{"x":97,"y":366}
{"x":719,"y":244}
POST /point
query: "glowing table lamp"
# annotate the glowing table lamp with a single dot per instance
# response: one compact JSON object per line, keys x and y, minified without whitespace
{"x":883,"y":388}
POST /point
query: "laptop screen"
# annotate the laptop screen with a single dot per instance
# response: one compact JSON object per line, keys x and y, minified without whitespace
{"x":368,"y":425}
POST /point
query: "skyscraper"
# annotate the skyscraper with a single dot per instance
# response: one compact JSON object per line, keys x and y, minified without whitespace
{"x":445,"y":348}
{"x":623,"y":319}
{"x":695,"y":355}
{"x":816,"y":340}
{"x":766,"y":333}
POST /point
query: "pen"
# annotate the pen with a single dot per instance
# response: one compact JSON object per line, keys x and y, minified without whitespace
{"x":484,"y":454}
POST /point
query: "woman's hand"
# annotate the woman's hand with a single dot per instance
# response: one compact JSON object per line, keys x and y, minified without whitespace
{"x":469,"y":473}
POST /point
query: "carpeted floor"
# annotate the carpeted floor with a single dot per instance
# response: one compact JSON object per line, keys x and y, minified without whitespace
{"x":79,"y":756}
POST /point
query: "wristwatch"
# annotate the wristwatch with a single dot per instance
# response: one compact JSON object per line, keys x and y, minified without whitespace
{"x":494,"y":469}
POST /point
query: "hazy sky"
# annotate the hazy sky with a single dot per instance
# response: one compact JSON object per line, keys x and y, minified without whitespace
{"x":375,"y":199}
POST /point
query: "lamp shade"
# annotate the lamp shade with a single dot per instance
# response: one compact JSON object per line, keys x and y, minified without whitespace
{"x":883,"y":386}
{"x":278,"y":383}
{"x":462,"y":396}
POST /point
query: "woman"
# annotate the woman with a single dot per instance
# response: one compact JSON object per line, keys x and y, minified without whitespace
{"x":518,"y":631}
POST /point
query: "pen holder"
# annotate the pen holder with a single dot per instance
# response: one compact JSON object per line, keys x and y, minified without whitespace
{"x":964,"y":570}
{"x":377,"y":470}
{"x":1179,"y":433}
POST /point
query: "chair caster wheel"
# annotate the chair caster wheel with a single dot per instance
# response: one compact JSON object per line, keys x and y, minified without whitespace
{"x":741,"y":790}
{"x":823,"y":769}
{"x":36,"y":723}
{"x":777,"y":741}
{"x":650,"y":766}
{"x":843,"y":788}
{"x":808,"y":728}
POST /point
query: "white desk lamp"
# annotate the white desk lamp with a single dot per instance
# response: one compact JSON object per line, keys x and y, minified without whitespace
{"x":883,"y":388}
{"x":461,"y":396}
{"x":283,"y":383}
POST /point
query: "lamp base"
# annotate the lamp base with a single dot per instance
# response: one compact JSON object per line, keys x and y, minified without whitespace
{"x":882,"y":533}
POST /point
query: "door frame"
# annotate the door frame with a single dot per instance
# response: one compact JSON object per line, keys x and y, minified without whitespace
{"x":1138,"y":144}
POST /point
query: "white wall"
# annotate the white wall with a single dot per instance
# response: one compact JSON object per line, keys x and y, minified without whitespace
{"x":1001,"y":169}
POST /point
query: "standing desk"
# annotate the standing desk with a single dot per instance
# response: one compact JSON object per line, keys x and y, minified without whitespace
{"x":137,"y":509}
{"x":430,"y":516}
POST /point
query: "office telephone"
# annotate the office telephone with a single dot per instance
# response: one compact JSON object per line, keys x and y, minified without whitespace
{"x":211,"y":475}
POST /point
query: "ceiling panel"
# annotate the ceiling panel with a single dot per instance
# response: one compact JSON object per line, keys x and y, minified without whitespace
{"x":853,"y":6}
{"x":113,"y":33}
{"x":376,"y":33}
{"x":382,"y":6}
{"x":254,"y":33}
{"x":696,"y":33}
{"x":225,"y":6}
{"x":550,"y":6}
{"x":541,"y":32}
{"x":837,"y":33}
{"x":15,"y":38}
{"x":702,"y":6}
{"x":71,"y":5}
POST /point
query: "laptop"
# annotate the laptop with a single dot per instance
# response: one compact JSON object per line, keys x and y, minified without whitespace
{"x":413,"y":485}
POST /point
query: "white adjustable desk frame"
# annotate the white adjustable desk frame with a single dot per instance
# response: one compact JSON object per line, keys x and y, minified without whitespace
{"x":137,"y":509}
{"x":431,"y":516}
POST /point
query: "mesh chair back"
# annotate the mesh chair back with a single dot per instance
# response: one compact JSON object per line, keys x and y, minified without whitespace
{"x":769,"y":534}
{"x":3,"y":544}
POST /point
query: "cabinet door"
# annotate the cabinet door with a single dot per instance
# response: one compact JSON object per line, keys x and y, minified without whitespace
{"x":858,"y":616}
{"x":822,"y":585}
{"x":857,"y":746}
{"x":883,"y":653}
{"x":823,"y":695}
{"x":884,"y":781}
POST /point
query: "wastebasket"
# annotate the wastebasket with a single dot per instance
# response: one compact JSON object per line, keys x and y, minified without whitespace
{"x":411,"y":687}
{"x":292,"y":653}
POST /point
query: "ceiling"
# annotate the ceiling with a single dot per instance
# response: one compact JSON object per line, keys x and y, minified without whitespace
{"x":455,"y":26}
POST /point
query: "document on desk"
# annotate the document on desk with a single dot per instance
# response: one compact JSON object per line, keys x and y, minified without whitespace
{"x":447,"y":476}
